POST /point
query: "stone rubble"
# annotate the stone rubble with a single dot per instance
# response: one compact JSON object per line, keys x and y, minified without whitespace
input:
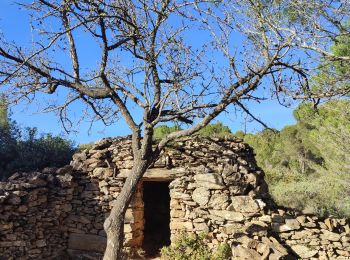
{"x":215,"y":187}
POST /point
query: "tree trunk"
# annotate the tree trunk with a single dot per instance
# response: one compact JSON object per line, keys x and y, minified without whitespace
{"x":114,"y":224}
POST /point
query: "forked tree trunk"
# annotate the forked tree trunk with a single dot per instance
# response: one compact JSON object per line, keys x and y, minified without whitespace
{"x":114,"y":224}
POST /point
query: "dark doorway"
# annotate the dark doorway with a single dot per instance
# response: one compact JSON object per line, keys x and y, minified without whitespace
{"x":156,"y":199}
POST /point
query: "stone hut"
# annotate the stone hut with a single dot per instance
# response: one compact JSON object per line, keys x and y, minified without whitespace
{"x":197,"y":185}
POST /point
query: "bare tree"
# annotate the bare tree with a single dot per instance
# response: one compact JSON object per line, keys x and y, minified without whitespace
{"x":170,"y":60}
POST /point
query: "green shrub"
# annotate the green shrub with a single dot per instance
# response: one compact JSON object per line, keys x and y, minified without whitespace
{"x":307,"y":164}
{"x":194,"y":247}
{"x":212,"y":130}
{"x":217,"y":129}
{"x":24,"y":150}
{"x":87,"y":146}
{"x":163,"y":130}
{"x":324,"y":195}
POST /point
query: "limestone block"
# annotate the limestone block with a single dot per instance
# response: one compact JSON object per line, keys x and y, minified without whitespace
{"x":341,"y":221}
{"x":181,"y":225}
{"x":66,"y":207}
{"x":302,"y":234}
{"x":252,"y":179}
{"x":234,"y":228}
{"x":175,"y":204}
{"x":177,"y":213}
{"x":237,"y":189}
{"x":87,"y":242}
{"x":102,"y":172}
{"x":14,"y":200}
{"x":266,"y":218}
{"x":201,"y":195}
{"x":203,"y":227}
{"x":129,"y":228}
{"x":309,"y":224}
{"x":179,"y":195}
{"x":248,"y":242}
{"x":41,"y":243}
{"x":92,"y":186}
{"x":328,"y":224}
{"x":276,"y":246}
{"x":99,"y":155}
{"x":343,"y":253}
{"x":331,"y":236}
{"x":304,"y":251}
{"x":227,"y":215}
{"x":64,"y":170}
{"x":244,"y":204}
{"x":6,"y":226}
{"x":241,"y":253}
{"x":256,"y":228}
{"x":301,"y":219}
{"x":275,"y":256}
{"x":218,"y":201}
{"x":263,"y":249}
{"x":290,"y":224}
{"x":211,"y":181}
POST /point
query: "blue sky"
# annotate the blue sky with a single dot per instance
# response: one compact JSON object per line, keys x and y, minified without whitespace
{"x":15,"y":26}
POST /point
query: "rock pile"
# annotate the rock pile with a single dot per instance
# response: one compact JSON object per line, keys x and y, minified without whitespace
{"x":215,"y":187}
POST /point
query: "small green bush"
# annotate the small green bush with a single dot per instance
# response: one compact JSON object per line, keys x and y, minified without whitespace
{"x":217,"y":129}
{"x":194,"y":247}
{"x":87,"y":146}
{"x":163,"y":130}
{"x":25,"y":150}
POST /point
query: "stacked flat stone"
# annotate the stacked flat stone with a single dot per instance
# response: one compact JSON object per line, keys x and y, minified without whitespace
{"x":215,"y":187}
{"x":33,"y":209}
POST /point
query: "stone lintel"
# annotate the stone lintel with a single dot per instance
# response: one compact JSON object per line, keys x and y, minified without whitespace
{"x":156,"y":174}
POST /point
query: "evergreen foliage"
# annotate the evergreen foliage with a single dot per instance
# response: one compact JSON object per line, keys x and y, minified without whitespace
{"x":212,"y":130}
{"x":163,"y":130}
{"x":194,"y":247}
{"x":307,"y":165}
{"x":215,"y":130}
{"x":25,"y":150}
{"x":335,"y":74}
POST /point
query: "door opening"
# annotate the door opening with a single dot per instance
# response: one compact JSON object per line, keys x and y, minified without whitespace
{"x":156,"y":197}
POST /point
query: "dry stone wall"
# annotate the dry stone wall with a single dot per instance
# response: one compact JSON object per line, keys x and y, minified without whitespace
{"x":33,"y":209}
{"x":216,"y":188}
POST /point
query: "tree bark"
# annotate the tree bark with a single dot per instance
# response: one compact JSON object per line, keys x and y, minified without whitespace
{"x":114,"y":224}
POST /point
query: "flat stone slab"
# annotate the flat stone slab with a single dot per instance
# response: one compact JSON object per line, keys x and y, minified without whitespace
{"x":212,"y":181}
{"x":87,"y":242}
{"x":157,"y":174}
